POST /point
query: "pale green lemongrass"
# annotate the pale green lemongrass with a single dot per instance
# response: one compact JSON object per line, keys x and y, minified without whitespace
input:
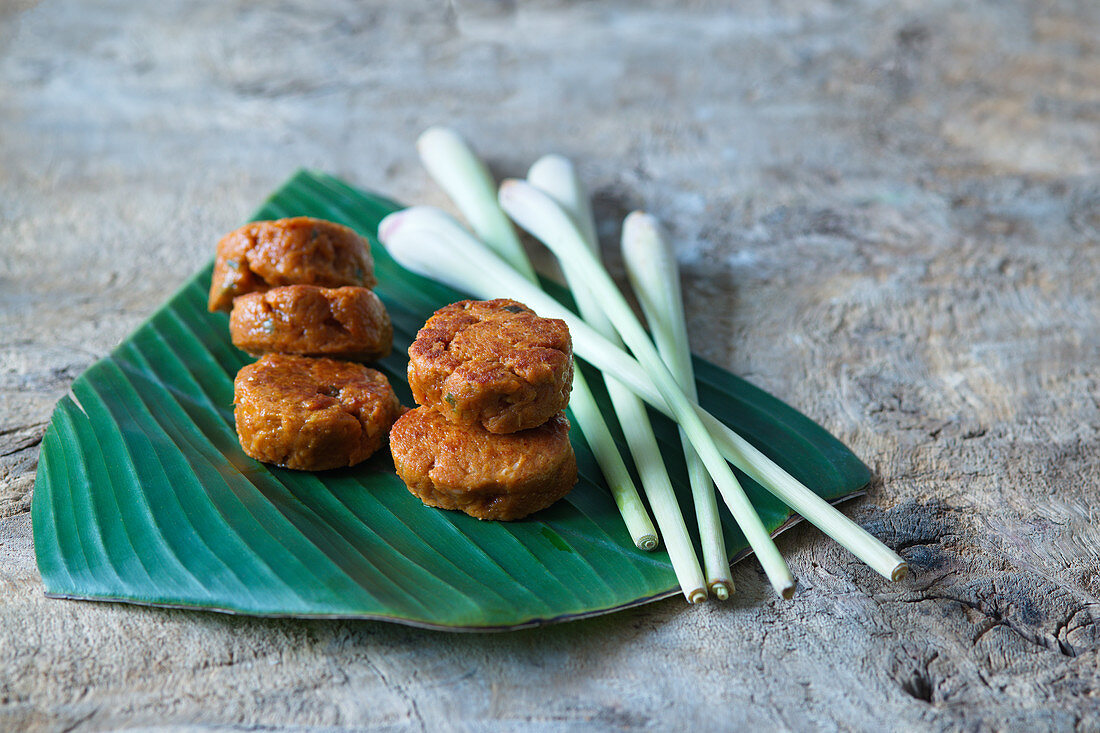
{"x":655,"y":278}
{"x":556,"y":176}
{"x":543,"y":218}
{"x":465,"y":179}
{"x":591,"y":422}
{"x":559,"y":177}
{"x":658,"y":488}
{"x":431,"y":243}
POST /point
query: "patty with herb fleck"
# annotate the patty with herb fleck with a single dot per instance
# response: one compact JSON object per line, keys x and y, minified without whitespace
{"x":493,"y":364}
{"x":342,"y":323}
{"x":312,"y":414}
{"x":485,"y":475}
{"x":298,"y":251}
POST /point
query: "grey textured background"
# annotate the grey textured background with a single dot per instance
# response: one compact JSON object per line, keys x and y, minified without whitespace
{"x":887,"y":213}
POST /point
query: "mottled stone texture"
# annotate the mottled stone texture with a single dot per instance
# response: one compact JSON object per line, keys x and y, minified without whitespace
{"x":888,"y":214}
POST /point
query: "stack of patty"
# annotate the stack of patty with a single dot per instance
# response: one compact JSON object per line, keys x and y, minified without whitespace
{"x":299,"y":292}
{"x":489,"y":438}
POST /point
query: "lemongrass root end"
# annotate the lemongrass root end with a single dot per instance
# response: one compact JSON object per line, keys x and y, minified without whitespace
{"x":697,"y":596}
{"x":647,"y":542}
{"x":721,"y":590}
{"x":434,"y":135}
{"x":390,"y":224}
{"x":900,"y":571}
{"x":787,"y":591}
{"x":641,"y":220}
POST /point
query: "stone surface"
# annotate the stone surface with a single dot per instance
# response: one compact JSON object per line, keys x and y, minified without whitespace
{"x":888,"y":214}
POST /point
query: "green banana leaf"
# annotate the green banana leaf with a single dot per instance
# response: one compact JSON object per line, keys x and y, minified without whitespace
{"x":143,"y":494}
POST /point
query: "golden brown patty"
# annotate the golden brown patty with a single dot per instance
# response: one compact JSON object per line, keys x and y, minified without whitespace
{"x":492,"y":363}
{"x":487,"y":476}
{"x":344,"y":323}
{"x":312,"y":414}
{"x":298,"y":251}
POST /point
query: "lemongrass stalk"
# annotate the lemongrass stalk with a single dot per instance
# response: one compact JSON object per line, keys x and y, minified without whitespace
{"x":431,"y":243}
{"x":543,"y":218}
{"x":591,"y":422}
{"x":655,"y":278}
{"x":555,"y":176}
{"x":658,"y":488}
{"x":465,"y":179}
{"x":630,"y":409}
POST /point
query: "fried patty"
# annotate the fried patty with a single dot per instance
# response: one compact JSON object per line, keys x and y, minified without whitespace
{"x":492,"y":363}
{"x":343,"y":323}
{"x":486,"y":475}
{"x":298,"y":251}
{"x":312,"y":414}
